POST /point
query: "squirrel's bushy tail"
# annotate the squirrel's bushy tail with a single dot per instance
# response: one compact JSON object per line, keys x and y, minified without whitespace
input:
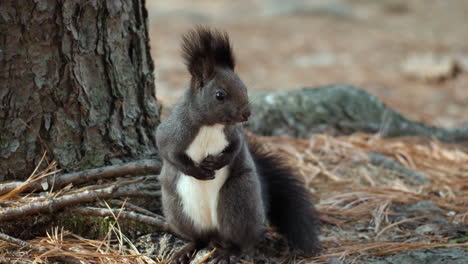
{"x":287,"y":201}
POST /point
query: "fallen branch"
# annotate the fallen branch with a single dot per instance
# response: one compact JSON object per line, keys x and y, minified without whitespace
{"x":152,"y":221}
{"x":139,"y":167}
{"x":53,"y":205}
{"x":15,"y":241}
{"x":150,"y":183}
{"x":133,"y":207}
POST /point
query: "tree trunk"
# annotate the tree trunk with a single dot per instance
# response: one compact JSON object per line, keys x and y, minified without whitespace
{"x":76,"y":80}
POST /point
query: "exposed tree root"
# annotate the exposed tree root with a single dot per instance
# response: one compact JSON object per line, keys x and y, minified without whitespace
{"x":140,"y":167}
{"x":67,"y":196}
{"x":53,"y":205}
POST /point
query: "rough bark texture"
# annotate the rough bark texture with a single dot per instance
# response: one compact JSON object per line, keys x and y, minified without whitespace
{"x":76,"y":79}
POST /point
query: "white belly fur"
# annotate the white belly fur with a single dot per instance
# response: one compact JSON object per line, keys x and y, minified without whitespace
{"x":200,"y":198}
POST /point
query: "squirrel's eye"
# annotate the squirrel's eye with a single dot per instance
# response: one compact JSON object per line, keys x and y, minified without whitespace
{"x":220,"y":95}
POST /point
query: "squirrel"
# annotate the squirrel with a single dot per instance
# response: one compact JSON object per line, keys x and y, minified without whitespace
{"x":218,"y":187}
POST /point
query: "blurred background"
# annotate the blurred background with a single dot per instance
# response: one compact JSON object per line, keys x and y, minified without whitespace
{"x":411,"y":54}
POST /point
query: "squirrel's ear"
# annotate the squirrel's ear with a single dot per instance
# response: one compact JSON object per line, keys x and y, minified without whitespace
{"x":203,"y":50}
{"x":201,"y":72}
{"x":198,"y":81}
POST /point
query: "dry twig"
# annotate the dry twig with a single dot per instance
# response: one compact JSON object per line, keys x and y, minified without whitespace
{"x":133,"y":207}
{"x":152,"y":221}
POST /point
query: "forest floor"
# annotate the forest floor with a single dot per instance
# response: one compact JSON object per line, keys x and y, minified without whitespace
{"x":412,"y":55}
{"x":370,"y":214}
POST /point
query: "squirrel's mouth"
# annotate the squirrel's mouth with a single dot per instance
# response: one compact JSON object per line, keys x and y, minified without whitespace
{"x":231,"y":123}
{"x":236,"y":121}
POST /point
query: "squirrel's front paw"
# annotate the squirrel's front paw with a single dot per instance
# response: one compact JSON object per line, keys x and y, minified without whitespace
{"x":212,"y":163}
{"x":203,"y":174}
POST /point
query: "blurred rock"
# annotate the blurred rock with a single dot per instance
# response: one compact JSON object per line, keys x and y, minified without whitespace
{"x":300,"y":113}
{"x":339,"y":109}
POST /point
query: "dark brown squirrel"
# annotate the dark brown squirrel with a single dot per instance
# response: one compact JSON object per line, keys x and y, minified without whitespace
{"x":218,"y":187}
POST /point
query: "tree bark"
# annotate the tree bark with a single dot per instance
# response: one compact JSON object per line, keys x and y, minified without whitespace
{"x":76,"y":80}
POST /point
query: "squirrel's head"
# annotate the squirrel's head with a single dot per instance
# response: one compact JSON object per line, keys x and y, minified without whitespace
{"x":216,"y":92}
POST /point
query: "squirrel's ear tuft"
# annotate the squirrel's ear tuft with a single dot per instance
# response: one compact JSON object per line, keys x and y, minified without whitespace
{"x":203,"y":49}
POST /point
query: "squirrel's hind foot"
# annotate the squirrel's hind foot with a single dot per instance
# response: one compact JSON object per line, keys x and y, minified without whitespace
{"x":184,"y":255}
{"x":225,"y":257}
